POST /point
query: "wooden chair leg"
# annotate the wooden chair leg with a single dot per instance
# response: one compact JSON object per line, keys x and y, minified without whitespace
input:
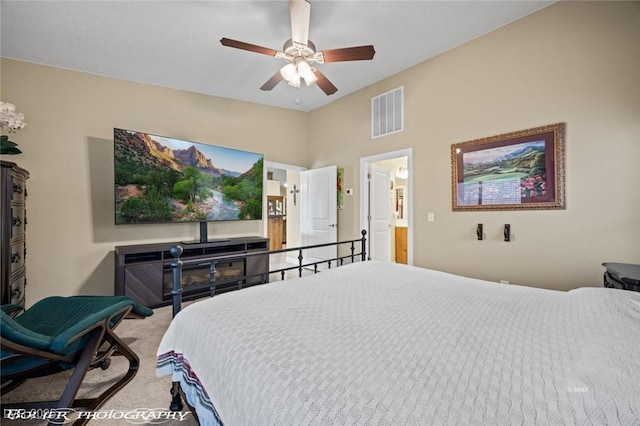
{"x":80,"y":370}
{"x":121,"y":348}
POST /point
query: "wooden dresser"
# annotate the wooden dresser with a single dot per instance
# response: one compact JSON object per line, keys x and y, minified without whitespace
{"x":275,"y":228}
{"x":13,"y":223}
{"x":401,"y":244}
{"x":276,"y":222}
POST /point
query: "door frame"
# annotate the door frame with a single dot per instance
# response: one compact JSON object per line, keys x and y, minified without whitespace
{"x":364,"y":193}
{"x":272,"y":165}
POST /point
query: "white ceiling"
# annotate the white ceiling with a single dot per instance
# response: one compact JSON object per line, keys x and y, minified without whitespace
{"x":176,"y":43}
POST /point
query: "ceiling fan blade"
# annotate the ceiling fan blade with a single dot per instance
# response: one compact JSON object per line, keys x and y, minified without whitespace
{"x":300,"y":11}
{"x":247,"y":46}
{"x":358,"y":53}
{"x":272,"y":82}
{"x":323,"y":82}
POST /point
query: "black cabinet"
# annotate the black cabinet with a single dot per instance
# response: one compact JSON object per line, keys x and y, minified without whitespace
{"x":13,"y":223}
{"x":144,"y":271}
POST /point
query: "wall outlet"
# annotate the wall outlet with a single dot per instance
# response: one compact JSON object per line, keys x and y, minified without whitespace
{"x":431,"y":217}
{"x":504,"y":282}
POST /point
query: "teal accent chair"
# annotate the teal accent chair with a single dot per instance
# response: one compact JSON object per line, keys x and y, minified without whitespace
{"x":62,"y":333}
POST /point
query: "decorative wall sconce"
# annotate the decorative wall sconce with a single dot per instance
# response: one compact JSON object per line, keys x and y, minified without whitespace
{"x":294,"y":191}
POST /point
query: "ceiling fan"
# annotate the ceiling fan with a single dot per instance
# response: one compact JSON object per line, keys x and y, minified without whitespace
{"x":300,"y":53}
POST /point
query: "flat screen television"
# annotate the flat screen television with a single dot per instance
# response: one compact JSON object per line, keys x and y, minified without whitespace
{"x":160,"y":179}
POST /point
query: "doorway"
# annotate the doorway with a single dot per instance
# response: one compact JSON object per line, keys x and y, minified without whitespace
{"x":282,"y":207}
{"x":386,"y":205}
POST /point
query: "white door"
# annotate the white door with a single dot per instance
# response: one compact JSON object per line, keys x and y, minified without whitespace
{"x":319,"y":213}
{"x":380,"y":213}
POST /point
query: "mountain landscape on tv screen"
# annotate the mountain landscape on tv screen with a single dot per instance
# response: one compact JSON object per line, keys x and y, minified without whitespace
{"x":168,"y":180}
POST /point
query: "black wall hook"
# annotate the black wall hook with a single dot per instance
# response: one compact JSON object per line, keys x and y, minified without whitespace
{"x":479,"y":231}
{"x":507,"y":232}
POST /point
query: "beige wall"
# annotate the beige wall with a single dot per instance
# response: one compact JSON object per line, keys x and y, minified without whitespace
{"x":573,"y":62}
{"x":68,"y":149}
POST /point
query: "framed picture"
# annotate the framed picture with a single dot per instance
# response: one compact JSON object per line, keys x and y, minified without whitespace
{"x":518,"y":170}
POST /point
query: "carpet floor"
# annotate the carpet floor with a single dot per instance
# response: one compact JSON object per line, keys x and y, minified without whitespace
{"x":145,"y":391}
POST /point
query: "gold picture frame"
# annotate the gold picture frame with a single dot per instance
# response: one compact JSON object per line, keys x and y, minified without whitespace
{"x":513,"y":171}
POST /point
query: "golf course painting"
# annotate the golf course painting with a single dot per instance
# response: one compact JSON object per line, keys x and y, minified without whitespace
{"x":506,"y":171}
{"x":507,"y":174}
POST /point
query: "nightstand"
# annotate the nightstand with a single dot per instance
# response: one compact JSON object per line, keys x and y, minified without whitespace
{"x":625,"y":276}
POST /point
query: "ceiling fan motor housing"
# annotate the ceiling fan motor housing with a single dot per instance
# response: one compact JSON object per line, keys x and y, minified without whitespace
{"x":295,"y":52}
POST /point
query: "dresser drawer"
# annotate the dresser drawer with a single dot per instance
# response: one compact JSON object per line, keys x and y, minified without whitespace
{"x":18,"y":222}
{"x":16,"y":257}
{"x":16,"y":289}
{"x":19,"y":187}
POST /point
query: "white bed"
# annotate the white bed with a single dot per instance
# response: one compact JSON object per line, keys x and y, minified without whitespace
{"x":376,"y":343}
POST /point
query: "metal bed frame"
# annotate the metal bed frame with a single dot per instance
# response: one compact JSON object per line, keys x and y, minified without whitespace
{"x":177,"y":264}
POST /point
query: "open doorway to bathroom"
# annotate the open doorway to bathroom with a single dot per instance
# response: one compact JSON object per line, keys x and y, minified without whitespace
{"x":386,"y":205}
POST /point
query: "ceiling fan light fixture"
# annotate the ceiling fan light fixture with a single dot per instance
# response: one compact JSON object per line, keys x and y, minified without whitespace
{"x":306,"y":72}
{"x":294,"y":71}
{"x":289,"y":72}
{"x":311,"y":80}
{"x":294,"y":83}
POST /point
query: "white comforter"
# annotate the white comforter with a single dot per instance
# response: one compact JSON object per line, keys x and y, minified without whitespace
{"x":386,"y":344}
